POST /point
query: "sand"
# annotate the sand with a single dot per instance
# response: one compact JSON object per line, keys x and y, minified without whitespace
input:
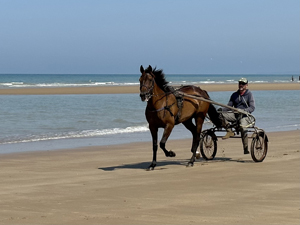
{"x":135,"y":89}
{"x":109,"y":185}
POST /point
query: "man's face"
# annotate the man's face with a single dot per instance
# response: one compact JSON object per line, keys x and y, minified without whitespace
{"x":242,"y":86}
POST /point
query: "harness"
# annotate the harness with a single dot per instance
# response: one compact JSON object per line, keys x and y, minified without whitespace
{"x":167,"y":89}
{"x":167,"y":107}
{"x":179,"y":101}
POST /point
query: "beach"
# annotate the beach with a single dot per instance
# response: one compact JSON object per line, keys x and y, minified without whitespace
{"x":135,"y":89}
{"x":109,"y":185}
{"x":82,"y":82}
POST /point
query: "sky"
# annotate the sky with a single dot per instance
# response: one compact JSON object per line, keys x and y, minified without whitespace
{"x":178,"y":36}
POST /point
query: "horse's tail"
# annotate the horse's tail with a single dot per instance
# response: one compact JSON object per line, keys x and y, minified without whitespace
{"x":214,"y":116}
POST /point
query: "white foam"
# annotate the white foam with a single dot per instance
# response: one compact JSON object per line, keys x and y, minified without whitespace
{"x":288,"y":126}
{"x":41,"y":85}
{"x":80,"y":134}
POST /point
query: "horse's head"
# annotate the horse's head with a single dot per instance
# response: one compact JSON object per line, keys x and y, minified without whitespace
{"x":146,"y":83}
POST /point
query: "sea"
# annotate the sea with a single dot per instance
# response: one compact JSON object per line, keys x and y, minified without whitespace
{"x":50,"y":122}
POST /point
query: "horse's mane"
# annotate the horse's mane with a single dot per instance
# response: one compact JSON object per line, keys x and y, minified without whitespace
{"x":160,"y":78}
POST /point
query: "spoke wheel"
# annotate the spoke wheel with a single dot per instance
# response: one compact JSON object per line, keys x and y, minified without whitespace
{"x":208,"y":146}
{"x":259,"y":147}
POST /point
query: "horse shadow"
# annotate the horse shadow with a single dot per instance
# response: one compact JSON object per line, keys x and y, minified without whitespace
{"x":162,"y":164}
{"x":143,"y":165}
{"x":226,"y":159}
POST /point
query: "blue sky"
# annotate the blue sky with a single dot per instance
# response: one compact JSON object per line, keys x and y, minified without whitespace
{"x":117,"y":36}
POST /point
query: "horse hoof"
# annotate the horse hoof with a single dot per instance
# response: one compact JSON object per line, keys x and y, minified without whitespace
{"x":151,"y":167}
{"x":190,"y":164}
{"x":172,"y":154}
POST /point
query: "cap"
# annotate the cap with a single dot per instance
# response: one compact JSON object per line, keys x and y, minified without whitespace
{"x":243,"y":80}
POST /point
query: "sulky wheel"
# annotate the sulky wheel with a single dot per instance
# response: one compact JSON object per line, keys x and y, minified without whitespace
{"x":259,"y":147}
{"x":208,"y":146}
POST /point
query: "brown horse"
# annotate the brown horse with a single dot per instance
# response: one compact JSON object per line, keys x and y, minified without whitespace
{"x":165,"y":111}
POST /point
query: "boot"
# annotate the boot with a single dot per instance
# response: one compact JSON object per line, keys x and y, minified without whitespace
{"x":246,"y":150}
{"x":244,"y":135}
{"x":229,"y":134}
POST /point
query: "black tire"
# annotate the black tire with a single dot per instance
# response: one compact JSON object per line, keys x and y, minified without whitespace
{"x":259,"y":147}
{"x":208,"y":146}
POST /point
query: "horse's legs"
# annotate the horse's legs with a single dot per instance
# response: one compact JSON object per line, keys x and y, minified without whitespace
{"x":196,"y":131}
{"x":191,"y":127}
{"x":167,"y":131}
{"x":199,"y":123}
{"x":153,"y":131}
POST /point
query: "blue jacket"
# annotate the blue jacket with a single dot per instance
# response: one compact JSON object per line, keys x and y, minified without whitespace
{"x":245,"y":102}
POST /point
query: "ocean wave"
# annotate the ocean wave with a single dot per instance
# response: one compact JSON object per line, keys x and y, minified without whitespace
{"x":282,"y":81}
{"x":12,"y":84}
{"x":259,"y":81}
{"x":41,"y":85}
{"x":77,"y":134}
{"x":289,"y":126}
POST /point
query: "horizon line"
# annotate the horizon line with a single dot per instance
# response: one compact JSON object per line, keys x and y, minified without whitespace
{"x":275,"y":73}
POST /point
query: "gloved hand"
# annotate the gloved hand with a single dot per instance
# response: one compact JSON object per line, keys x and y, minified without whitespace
{"x":242,"y":111}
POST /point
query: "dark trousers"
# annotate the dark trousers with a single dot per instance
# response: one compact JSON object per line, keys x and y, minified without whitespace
{"x":243,"y":122}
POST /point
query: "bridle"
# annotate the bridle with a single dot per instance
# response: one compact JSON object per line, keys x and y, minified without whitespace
{"x":149,"y":92}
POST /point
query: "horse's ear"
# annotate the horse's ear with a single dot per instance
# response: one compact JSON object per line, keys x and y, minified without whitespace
{"x":150,"y":68}
{"x":142,"y":69}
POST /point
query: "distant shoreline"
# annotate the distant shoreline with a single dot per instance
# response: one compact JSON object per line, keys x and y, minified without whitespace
{"x":135,"y":89}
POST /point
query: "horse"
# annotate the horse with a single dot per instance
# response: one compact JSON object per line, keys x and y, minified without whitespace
{"x":163,"y":110}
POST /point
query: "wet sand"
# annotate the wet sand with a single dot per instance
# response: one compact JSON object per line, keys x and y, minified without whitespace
{"x":135,"y":89}
{"x":109,"y":185}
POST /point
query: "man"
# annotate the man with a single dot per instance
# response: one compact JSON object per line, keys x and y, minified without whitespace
{"x":241,"y":99}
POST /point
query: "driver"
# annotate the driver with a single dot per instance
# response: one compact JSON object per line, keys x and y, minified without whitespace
{"x":241,"y":99}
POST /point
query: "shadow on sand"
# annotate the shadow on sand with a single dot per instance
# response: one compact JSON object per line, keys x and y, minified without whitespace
{"x":143,"y":165}
{"x":161,"y":165}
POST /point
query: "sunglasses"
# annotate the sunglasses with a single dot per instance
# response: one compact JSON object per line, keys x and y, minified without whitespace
{"x":242,"y":83}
